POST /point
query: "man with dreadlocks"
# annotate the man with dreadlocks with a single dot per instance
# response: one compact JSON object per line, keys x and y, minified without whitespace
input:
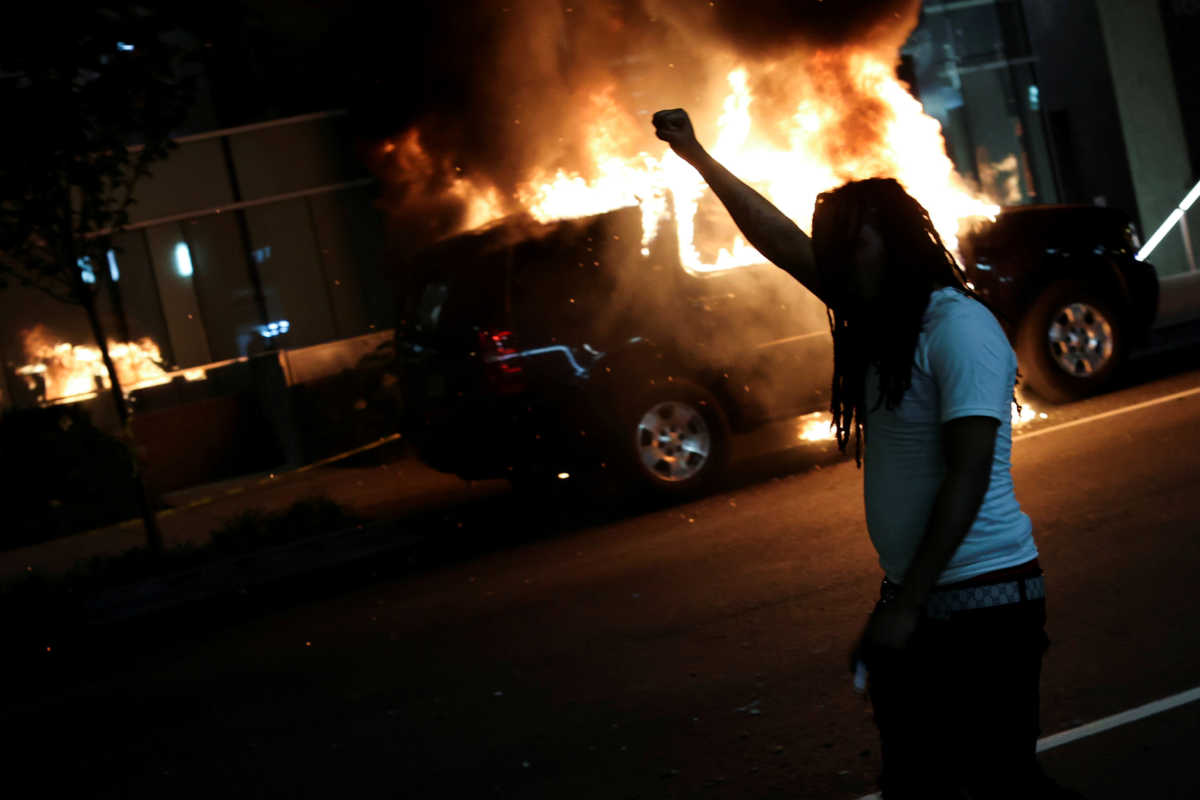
{"x":923,"y":380}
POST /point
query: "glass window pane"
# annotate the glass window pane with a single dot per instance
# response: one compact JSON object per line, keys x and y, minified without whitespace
{"x":994,"y":132}
{"x":349,"y":230}
{"x":223,"y":284}
{"x":192,"y":178}
{"x":1035,"y":138}
{"x":173,"y":269}
{"x":972,"y":70}
{"x":285,"y":249}
{"x":134,"y":277}
{"x":287,"y":158}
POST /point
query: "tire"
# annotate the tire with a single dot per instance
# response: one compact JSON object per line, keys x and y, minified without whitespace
{"x":1071,"y":342}
{"x":670,"y":439}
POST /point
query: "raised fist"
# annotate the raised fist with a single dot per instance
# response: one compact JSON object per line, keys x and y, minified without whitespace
{"x":675,"y":128}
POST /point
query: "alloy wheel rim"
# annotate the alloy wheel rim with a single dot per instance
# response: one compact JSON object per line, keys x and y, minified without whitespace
{"x":1080,"y":339}
{"x":673,"y":441}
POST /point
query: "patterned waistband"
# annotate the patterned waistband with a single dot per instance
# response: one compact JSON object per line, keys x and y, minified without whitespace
{"x":941,"y":604}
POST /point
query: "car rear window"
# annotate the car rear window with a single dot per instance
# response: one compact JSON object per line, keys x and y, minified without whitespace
{"x":457,"y":287}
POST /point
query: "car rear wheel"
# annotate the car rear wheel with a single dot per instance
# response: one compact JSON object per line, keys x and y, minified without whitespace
{"x":1071,"y":342}
{"x":672,"y":439}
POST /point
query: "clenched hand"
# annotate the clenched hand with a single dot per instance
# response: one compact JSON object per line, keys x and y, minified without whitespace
{"x":675,"y":128}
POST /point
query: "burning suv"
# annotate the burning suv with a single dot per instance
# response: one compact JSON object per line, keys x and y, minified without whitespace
{"x":531,"y":350}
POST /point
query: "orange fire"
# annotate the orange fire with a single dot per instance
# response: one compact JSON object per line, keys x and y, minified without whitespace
{"x":846,"y":117}
{"x":1027,"y":413}
{"x":481,"y":204}
{"x":818,"y":426}
{"x":69,"y":371}
{"x":815,"y":427}
{"x":850,"y":118}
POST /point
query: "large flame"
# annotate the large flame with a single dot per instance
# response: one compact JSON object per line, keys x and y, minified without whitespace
{"x":798,"y":154}
{"x":69,"y":371}
{"x":847,"y":117}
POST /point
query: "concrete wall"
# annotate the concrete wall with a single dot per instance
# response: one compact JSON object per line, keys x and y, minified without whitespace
{"x":1151,"y":123}
{"x":1181,"y":23}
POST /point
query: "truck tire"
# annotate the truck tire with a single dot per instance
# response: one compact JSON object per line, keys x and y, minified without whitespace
{"x":670,"y":439}
{"x":1071,"y":342}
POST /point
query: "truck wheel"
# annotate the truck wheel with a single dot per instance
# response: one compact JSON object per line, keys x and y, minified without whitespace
{"x":1071,"y":342}
{"x":671,"y":439}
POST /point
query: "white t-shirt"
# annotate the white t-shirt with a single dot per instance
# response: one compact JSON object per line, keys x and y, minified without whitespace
{"x":963,"y":366}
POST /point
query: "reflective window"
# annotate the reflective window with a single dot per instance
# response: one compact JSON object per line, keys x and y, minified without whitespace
{"x":351,"y":249}
{"x":289,"y":158}
{"x":223,"y":285}
{"x":137,"y":291}
{"x":180,"y":307}
{"x":974,"y":73}
{"x":292,"y":277}
{"x":192,"y":178}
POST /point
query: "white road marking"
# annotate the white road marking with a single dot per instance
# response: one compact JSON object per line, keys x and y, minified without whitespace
{"x":1106,"y":723}
{"x":1116,"y":720}
{"x":1107,"y":414}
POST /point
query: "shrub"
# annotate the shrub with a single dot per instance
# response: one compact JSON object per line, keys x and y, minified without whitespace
{"x":254,"y":529}
{"x":36,"y":603}
{"x":64,"y":475}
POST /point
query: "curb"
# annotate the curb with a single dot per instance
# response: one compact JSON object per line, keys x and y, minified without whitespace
{"x":244,"y":483}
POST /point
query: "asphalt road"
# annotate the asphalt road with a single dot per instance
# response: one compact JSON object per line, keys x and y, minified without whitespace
{"x":567,"y":651}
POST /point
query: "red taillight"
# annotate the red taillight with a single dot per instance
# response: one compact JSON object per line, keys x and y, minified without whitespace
{"x":501,"y":361}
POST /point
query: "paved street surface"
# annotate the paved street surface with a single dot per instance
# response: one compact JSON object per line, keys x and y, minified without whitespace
{"x":565,"y":651}
{"x":1154,"y":757}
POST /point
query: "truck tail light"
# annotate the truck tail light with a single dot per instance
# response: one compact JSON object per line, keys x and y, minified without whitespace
{"x":501,"y":361}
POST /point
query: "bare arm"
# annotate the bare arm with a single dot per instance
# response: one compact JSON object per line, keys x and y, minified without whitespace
{"x":968,"y":444}
{"x":767,"y":228}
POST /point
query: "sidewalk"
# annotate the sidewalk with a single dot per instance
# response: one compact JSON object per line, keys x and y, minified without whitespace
{"x":381,"y":492}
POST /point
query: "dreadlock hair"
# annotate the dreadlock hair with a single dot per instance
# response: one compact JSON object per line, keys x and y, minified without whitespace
{"x":916,"y":260}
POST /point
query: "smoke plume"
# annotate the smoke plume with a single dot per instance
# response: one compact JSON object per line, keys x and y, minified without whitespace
{"x":495,"y":89}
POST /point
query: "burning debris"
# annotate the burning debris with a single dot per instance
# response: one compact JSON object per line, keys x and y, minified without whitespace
{"x":1026,"y":413}
{"x":815,"y":427}
{"x":57,"y":371}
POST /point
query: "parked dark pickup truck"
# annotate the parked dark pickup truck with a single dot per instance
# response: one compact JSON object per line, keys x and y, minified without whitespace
{"x":528,"y":350}
{"x":1075,"y":299}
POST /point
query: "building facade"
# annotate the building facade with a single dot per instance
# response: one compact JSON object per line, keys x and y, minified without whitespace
{"x":263,"y":236}
{"x":1069,"y":101}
